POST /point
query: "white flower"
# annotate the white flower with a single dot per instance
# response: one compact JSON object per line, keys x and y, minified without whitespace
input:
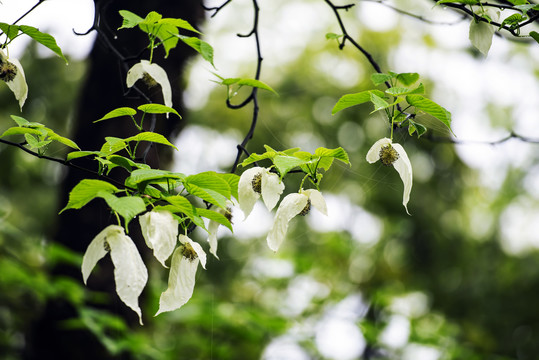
{"x":160,"y":231}
{"x":213,"y":226}
{"x":292,"y":205}
{"x":394,"y":154}
{"x":181,"y":280}
{"x":151,"y":72}
{"x":130,"y":273}
{"x":256,"y":182}
{"x":12,"y":73}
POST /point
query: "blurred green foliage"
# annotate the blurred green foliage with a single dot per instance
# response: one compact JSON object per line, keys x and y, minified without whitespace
{"x":455,"y":287}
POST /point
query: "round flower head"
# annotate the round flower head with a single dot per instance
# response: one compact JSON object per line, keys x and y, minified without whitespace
{"x":257,"y":182}
{"x":292,"y":205}
{"x":393,"y":154}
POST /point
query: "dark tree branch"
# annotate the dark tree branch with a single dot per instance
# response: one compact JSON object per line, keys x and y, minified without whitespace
{"x":216,"y":9}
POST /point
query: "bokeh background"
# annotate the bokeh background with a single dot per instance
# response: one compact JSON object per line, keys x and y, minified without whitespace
{"x":458,"y":279}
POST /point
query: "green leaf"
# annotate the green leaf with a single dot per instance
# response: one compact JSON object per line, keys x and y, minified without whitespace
{"x":42,"y":38}
{"x":122,"y":111}
{"x":78,"y":154}
{"x":85,"y":191}
{"x":513,"y":20}
{"x":126,"y":163}
{"x":34,"y":142}
{"x":232,"y":180}
{"x":112,"y":145}
{"x":210,"y":187}
{"x":147,"y":176}
{"x":215,"y":216}
{"x":248,"y":82}
{"x":338,"y":153}
{"x":379,"y":78}
{"x":407,"y":79}
{"x":200,"y":46}
{"x":127,"y":207}
{"x":349,"y":100}
{"x":179,"y":23}
{"x":20,"y":120}
{"x":254,"y":157}
{"x":257,"y":84}
{"x":68,"y":142}
{"x":286,"y":163}
{"x":378,"y":102}
{"x":333,"y":36}
{"x":10,"y":30}
{"x":535,"y":35}
{"x":157,"y":109}
{"x":17,"y":130}
{"x":417,"y":128}
{"x":399,"y":91}
{"x":152,"y":137}
{"x":430,"y":107}
{"x":130,"y":20}
{"x":182,"y":205}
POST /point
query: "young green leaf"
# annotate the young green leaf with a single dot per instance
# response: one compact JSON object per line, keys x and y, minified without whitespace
{"x":208,"y":187}
{"x":215,"y":216}
{"x":254,"y":157}
{"x":407,"y":79}
{"x":153,"y":176}
{"x":18,"y":130}
{"x":338,"y":153}
{"x":157,"y":109}
{"x":122,"y":111}
{"x":130,"y":20}
{"x":378,"y":102}
{"x":232,"y":180}
{"x":349,"y":100}
{"x":200,"y":46}
{"x":430,"y":107}
{"x":535,"y":35}
{"x":42,"y":38}
{"x":11,"y":31}
{"x":127,"y":207}
{"x":35,"y":143}
{"x":286,"y":163}
{"x":78,"y":154}
{"x":152,"y":137}
{"x":85,"y":191}
{"x":379,"y":78}
{"x":68,"y":142}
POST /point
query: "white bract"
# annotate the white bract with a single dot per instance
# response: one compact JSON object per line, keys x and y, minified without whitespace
{"x":213,"y":226}
{"x":181,"y":280}
{"x":292,"y":205}
{"x":382,"y":150}
{"x":256,"y":182}
{"x":130,"y":273}
{"x":12,"y":73}
{"x":160,"y":231}
{"x":142,"y":70}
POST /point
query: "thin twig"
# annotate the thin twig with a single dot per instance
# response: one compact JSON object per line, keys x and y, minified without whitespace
{"x":216,"y":9}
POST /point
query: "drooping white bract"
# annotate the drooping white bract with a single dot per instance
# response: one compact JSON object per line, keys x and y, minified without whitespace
{"x":181,"y":280}
{"x":160,"y":231}
{"x":16,"y":81}
{"x":213,"y":226}
{"x":256,"y":182}
{"x":401,"y":164}
{"x":292,"y":205}
{"x":156,"y":72}
{"x":130,"y":273}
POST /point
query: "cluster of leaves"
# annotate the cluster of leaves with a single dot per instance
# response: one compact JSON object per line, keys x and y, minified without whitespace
{"x":313,"y":165}
{"x":482,"y":26}
{"x":400,"y":91}
{"x":37,"y":135}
